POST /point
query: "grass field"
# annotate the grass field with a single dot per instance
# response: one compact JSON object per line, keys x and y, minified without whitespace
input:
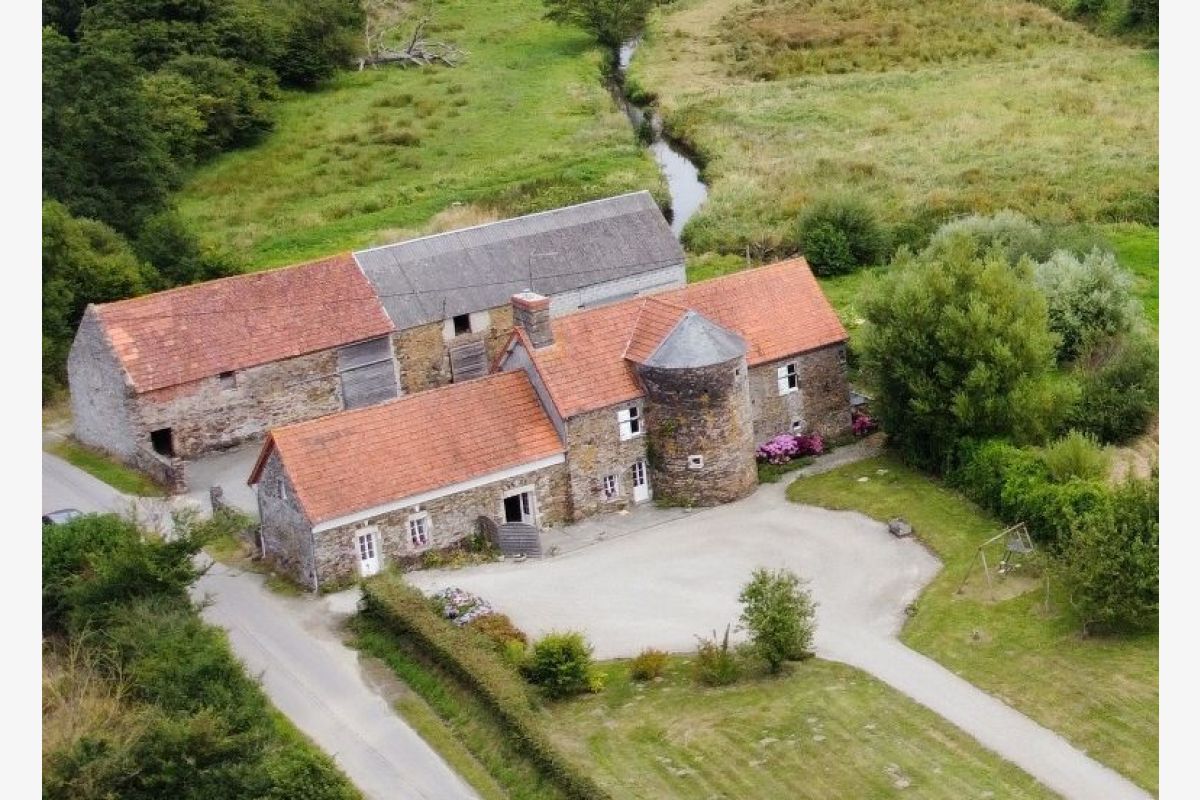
{"x":824,"y":730}
{"x":925,"y":108}
{"x":1136,"y":247}
{"x":1102,"y":694}
{"x":522,"y":125}
{"x":115,"y":474}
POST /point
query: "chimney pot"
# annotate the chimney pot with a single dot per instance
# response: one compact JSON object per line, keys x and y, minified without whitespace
{"x":531,"y":313}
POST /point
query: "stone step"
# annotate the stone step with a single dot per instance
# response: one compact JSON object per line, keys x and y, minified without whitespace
{"x":519,"y":539}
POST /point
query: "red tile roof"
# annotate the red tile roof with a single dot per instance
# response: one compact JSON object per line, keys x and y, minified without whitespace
{"x":655,"y":320}
{"x":779,"y":309}
{"x":197,"y":331}
{"x":355,"y":460}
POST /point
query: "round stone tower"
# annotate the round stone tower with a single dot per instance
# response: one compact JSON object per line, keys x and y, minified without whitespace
{"x":698,"y":418}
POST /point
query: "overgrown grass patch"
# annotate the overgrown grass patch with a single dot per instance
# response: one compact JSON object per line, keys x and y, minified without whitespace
{"x":1048,"y":119}
{"x":1100,"y":693}
{"x":522,"y":125}
{"x":115,"y":474}
{"x":821,"y":730}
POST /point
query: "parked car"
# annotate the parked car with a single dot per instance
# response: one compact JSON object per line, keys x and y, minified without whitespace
{"x":61,"y":517}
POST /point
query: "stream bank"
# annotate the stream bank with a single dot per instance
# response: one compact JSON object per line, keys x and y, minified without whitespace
{"x":682,"y":173}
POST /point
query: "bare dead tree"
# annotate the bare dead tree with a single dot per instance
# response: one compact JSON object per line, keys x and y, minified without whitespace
{"x":407,"y":22}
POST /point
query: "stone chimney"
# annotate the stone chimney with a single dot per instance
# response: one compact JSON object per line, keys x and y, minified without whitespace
{"x":531,"y":312}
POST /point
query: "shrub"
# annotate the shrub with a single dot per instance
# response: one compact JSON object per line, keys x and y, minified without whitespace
{"x":778,"y":614}
{"x":648,"y":665}
{"x":1076,"y":455}
{"x":560,"y":663}
{"x":94,"y":564}
{"x":861,"y":423}
{"x":1118,"y":391}
{"x":1010,"y":233}
{"x":499,"y":629}
{"x":403,"y":610}
{"x":1088,"y":300}
{"x":953,"y":347}
{"x":838,"y":236}
{"x":1109,"y":561}
{"x":716,"y":663}
{"x":294,"y":773}
{"x":783,"y":448}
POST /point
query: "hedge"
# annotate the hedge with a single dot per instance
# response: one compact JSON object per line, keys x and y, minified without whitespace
{"x":407,"y":612}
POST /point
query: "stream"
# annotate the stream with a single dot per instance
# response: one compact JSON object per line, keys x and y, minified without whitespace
{"x":683,"y":176}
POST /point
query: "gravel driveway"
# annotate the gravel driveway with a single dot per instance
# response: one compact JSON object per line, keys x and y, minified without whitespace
{"x":664,"y":585}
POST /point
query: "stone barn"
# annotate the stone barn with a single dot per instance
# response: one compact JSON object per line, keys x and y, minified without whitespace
{"x":176,"y":374}
{"x":342,"y":496}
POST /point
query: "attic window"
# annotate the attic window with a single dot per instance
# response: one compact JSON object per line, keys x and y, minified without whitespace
{"x":787,"y":378}
{"x":462,"y":324}
{"x":630,"y":422}
{"x":228,"y":380}
{"x":695,"y":462}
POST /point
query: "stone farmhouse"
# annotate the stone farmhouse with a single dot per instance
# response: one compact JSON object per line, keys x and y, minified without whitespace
{"x":176,"y":374}
{"x":664,"y":396}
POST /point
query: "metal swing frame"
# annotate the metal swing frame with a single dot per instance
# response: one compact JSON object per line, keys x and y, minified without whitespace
{"x":1017,"y":543}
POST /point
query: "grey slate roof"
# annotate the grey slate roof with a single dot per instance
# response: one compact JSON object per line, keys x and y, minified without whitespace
{"x":429,"y":279}
{"x":696,"y":342}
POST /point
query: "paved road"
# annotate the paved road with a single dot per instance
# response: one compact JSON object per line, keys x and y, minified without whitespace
{"x":306,"y":671}
{"x":663,"y":585}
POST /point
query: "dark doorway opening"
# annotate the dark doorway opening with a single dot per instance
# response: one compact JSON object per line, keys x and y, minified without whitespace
{"x":462,"y":324}
{"x":163,"y":442}
{"x":512,"y":508}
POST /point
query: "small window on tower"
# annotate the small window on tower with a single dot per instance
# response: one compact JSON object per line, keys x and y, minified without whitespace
{"x":695,"y":462}
{"x":462,"y":324}
{"x":228,"y":380}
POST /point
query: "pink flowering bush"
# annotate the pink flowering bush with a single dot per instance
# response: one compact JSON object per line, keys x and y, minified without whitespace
{"x":862,"y":424}
{"x":783,"y":448}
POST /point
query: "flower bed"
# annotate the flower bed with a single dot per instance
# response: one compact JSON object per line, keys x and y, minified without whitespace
{"x":785,"y":447}
{"x":460,"y":607}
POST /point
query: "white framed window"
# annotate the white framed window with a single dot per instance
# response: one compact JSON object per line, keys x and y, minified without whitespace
{"x":798,"y":426}
{"x":630,"y":422}
{"x":695,"y":462}
{"x":418,"y":530}
{"x":788,"y":378}
{"x":610,"y":487}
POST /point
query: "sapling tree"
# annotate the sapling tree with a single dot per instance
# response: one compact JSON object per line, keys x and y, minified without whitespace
{"x":777,"y":612}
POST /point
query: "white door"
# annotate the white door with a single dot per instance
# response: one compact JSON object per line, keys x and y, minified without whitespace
{"x":368,"y":555}
{"x":641,"y":486}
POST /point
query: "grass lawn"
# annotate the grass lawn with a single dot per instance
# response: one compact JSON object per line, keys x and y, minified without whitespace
{"x":522,"y":125}
{"x":1136,"y":247}
{"x":1102,"y":694}
{"x":825,"y":730}
{"x":923,"y":107}
{"x":112,"y":472}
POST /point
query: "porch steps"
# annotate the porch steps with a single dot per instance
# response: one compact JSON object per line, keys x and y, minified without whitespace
{"x":518,"y":539}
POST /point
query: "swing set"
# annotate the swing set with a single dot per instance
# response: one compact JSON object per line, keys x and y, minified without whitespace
{"x":1018,"y":547}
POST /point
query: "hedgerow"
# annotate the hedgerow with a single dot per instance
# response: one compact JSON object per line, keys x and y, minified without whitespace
{"x":405,"y":611}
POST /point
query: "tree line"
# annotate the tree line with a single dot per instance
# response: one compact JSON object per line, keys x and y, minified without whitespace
{"x":135,"y":93}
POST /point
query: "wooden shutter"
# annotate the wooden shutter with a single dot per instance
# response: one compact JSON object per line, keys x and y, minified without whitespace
{"x":367,"y":373}
{"x":468,"y":361}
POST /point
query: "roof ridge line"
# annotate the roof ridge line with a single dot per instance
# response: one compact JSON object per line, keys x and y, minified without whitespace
{"x":258,"y":273}
{"x":355,"y":253}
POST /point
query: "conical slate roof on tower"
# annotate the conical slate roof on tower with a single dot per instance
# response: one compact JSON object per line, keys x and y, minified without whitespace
{"x":696,"y":341}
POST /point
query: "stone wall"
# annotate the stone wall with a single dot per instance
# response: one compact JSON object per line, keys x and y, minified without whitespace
{"x":451,"y":519}
{"x":595,"y":449}
{"x":423,"y":352}
{"x":821,"y":405}
{"x":287,"y":540}
{"x":700,"y":412}
{"x":102,"y":403}
{"x":209,"y":414}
